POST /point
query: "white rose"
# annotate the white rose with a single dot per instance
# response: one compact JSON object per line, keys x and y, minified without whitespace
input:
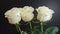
{"x":27,"y":13}
{"x":13,"y":15}
{"x":44,"y":13}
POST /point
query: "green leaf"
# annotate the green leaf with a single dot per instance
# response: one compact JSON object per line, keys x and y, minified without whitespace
{"x":23,"y":32}
{"x":36,"y":32}
{"x":51,"y":30}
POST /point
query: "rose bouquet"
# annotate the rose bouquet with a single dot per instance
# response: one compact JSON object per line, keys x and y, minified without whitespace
{"x":44,"y":14}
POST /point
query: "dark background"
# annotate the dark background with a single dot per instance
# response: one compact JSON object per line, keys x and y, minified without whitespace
{"x":6,"y":28}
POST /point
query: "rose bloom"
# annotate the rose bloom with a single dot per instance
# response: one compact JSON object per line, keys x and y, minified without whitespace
{"x":13,"y":15}
{"x":27,"y":13}
{"x":44,"y":13}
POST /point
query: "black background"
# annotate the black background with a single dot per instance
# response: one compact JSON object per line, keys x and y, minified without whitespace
{"x":6,"y":28}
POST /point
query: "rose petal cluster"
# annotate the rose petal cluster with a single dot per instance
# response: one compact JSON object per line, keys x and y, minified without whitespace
{"x":27,"y":13}
{"x":44,"y":13}
{"x":13,"y":15}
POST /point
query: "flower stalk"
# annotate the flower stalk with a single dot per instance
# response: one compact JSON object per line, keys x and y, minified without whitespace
{"x":18,"y":28}
{"x":41,"y":27}
{"x":31,"y":28}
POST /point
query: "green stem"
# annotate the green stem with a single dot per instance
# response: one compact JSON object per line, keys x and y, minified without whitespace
{"x":18,"y":28}
{"x":41,"y":27}
{"x":31,"y":27}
